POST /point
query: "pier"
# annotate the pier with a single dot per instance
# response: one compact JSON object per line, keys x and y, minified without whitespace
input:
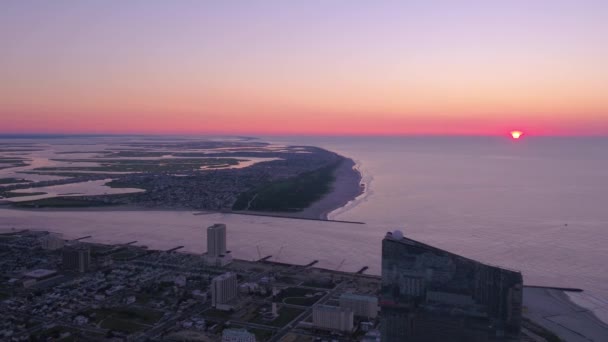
{"x":311,"y":263}
{"x":174,"y":249}
{"x":82,"y":238}
{"x":363,"y":269}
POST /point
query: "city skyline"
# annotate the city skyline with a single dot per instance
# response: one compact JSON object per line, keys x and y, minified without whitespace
{"x":315,"y":68}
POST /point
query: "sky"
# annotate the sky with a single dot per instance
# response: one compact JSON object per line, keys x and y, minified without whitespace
{"x":340,"y":67}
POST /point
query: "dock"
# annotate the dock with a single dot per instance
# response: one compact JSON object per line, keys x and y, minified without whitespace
{"x":82,"y":238}
{"x":311,"y":263}
{"x":363,"y":269}
{"x":565,"y":289}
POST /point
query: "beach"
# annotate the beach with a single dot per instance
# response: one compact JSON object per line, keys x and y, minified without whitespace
{"x":345,"y":188}
{"x":556,"y":312}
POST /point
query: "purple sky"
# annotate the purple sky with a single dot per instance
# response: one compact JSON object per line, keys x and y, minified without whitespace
{"x":343,"y":67}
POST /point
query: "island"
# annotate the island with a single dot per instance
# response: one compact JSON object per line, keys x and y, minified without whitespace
{"x":241,"y":175}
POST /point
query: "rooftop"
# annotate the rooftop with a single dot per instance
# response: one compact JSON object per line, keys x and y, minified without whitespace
{"x":39,"y":273}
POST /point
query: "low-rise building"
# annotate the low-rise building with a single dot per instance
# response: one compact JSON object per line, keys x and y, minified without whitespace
{"x":52,"y":242}
{"x":332,"y":318}
{"x":237,"y":335}
{"x":224,"y":288}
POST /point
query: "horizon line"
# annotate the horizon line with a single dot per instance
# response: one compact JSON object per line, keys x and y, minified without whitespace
{"x":252,"y":134}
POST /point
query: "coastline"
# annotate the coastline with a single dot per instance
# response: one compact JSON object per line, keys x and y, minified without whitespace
{"x":345,"y":188}
{"x":555,"y":311}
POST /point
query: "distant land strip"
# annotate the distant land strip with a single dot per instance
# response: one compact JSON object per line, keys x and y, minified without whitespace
{"x":288,"y":217}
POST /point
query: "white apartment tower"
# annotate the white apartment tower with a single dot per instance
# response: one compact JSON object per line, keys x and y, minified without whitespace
{"x":363,"y":306}
{"x":216,"y":240}
{"x":224,"y":288}
{"x":332,"y":318}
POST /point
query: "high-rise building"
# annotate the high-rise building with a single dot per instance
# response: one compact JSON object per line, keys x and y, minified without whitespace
{"x":237,"y":335}
{"x":224,"y":289}
{"x":430,"y":295}
{"x":332,"y":318}
{"x":363,"y":306}
{"x":52,"y":241}
{"x":76,"y":257}
{"x":217,"y":255}
{"x":216,"y":240}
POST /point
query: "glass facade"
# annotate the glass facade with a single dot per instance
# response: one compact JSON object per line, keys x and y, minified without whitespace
{"x":429,"y":294}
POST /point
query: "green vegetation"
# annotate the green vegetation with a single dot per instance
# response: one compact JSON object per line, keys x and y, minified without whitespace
{"x":54,"y":334}
{"x":319,"y":284}
{"x":125,"y":254}
{"x":98,"y":175}
{"x":61,"y":202}
{"x":294,"y":292}
{"x":125,"y":319}
{"x":135,"y":154}
{"x":81,"y":152}
{"x":217,"y":314}
{"x":286,"y":315}
{"x":302,"y":301}
{"x":7,"y":162}
{"x":10,"y":194}
{"x":134,"y":165}
{"x":261,"y":335}
{"x":298,"y":296}
{"x":13,"y":180}
{"x":293,"y":194}
{"x":5,"y":150}
{"x":127,"y":327}
{"x":287,"y":280}
{"x":121,"y":184}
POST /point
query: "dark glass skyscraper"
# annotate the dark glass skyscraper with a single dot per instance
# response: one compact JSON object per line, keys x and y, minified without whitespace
{"x":431,"y":295}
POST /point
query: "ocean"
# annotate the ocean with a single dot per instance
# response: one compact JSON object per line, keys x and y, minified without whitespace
{"x":537,"y":205}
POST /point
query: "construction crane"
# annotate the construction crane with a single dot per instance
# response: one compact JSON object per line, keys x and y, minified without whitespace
{"x":340,"y":265}
{"x":279,"y":253}
{"x":333,"y":276}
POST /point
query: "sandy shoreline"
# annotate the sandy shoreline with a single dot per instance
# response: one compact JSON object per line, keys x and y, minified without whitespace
{"x":556,"y":312}
{"x":346,"y":187}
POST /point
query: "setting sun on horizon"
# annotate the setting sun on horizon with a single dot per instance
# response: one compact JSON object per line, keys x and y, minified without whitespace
{"x":516,"y":134}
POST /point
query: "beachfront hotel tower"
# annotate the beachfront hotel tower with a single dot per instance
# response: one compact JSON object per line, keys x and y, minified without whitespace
{"x":216,"y":240}
{"x":217,"y":255}
{"x":431,"y":295}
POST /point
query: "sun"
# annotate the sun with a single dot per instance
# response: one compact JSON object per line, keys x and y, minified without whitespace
{"x":516,"y":134}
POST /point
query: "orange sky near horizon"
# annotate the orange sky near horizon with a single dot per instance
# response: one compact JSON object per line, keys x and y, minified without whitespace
{"x":345,"y":68}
